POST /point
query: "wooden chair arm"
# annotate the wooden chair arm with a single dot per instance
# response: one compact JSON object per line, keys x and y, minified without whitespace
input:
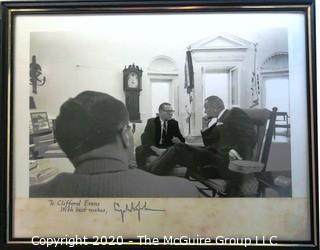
{"x":245,"y":167}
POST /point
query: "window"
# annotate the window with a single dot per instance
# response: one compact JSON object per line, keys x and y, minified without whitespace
{"x":160,"y":92}
{"x":275,"y":92}
{"x":277,"y":95}
{"x":162,"y":76}
{"x":224,"y":84}
{"x":216,"y":84}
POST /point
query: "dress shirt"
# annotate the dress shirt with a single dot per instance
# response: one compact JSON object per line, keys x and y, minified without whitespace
{"x":212,"y":122}
{"x":220,"y":114}
{"x":215,"y":120}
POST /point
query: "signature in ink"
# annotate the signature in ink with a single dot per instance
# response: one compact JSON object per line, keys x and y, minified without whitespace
{"x":132,"y":208}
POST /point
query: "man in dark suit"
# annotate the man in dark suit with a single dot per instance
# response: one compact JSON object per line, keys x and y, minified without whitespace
{"x":92,"y":129}
{"x":159,"y":134}
{"x":231,"y":132}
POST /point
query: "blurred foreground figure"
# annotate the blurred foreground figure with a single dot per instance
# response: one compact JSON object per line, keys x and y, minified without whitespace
{"x":93,"y":130}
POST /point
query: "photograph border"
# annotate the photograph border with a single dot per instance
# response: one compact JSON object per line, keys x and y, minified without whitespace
{"x":12,"y":9}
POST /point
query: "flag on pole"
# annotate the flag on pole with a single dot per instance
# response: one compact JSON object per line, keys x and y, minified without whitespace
{"x":189,"y":74}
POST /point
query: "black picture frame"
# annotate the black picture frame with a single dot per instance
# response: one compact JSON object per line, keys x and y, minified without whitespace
{"x":40,"y":122}
{"x":12,"y":9}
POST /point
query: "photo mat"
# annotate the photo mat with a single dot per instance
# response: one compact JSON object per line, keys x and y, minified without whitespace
{"x":80,"y":62}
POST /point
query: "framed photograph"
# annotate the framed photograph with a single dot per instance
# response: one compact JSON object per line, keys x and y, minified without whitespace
{"x":175,"y":123}
{"x":40,"y":122}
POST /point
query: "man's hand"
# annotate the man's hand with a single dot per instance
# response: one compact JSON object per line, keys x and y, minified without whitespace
{"x":158,"y":151}
{"x":175,"y":140}
{"x":205,"y":122}
{"x":234,"y":155}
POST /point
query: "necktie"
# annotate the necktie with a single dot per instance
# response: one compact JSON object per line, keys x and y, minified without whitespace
{"x":164,"y":132}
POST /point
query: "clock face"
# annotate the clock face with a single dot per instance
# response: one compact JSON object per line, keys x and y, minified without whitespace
{"x":133,"y":80}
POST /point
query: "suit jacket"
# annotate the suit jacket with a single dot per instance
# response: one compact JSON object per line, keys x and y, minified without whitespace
{"x":234,"y":130}
{"x":97,"y":179}
{"x":152,"y":133}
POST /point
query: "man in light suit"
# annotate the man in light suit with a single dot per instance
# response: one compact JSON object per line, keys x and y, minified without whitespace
{"x":160,"y":132}
{"x":92,"y":129}
{"x":232,"y":129}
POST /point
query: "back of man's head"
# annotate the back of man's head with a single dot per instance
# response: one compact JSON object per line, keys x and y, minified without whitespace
{"x":88,"y":121}
{"x":215,"y":101}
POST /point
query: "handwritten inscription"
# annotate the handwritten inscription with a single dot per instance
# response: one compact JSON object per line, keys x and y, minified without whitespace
{"x":78,"y":206}
{"x":133,"y":208}
{"x":89,"y":206}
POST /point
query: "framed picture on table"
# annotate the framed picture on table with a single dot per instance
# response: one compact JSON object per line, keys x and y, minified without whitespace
{"x":40,"y":122}
{"x":253,"y":55}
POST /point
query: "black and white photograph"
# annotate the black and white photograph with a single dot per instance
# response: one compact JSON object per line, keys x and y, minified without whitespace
{"x":169,"y":112}
{"x":208,"y":111}
{"x":40,"y":122}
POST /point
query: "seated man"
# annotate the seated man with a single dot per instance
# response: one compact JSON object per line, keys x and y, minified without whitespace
{"x":92,"y":129}
{"x":233,"y":131}
{"x":160,"y":133}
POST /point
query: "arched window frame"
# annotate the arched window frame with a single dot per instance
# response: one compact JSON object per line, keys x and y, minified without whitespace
{"x":271,"y":68}
{"x":163,"y":68}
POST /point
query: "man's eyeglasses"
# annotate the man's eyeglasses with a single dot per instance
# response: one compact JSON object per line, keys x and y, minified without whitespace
{"x":168,"y":111}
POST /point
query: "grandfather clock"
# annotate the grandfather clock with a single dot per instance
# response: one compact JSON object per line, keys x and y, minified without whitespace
{"x":132,"y":86}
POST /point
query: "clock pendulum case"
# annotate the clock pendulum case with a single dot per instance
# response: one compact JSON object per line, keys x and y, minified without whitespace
{"x":132,"y":86}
